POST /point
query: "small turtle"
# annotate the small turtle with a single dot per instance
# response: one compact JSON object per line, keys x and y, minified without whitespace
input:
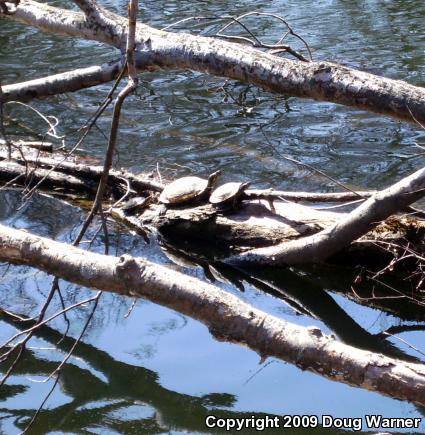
{"x":136,"y":204}
{"x":228,"y":194}
{"x":187,"y":189}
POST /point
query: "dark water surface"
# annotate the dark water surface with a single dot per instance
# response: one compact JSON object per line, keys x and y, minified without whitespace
{"x":156,"y":371}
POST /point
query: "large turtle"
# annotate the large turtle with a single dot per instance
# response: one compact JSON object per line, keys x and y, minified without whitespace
{"x":187,"y":189}
{"x":228,"y":194}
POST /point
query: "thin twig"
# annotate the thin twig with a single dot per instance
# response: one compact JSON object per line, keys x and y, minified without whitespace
{"x":2,"y":129}
{"x":34,"y":417}
{"x":312,"y":168}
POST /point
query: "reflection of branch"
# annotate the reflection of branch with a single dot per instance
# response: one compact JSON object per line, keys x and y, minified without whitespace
{"x":37,"y":412}
{"x":400,"y":254}
{"x":77,"y":341}
{"x":314,"y":301}
{"x":392,"y":331}
{"x":127,"y":384}
{"x":397,"y":329}
{"x":227,"y":316}
{"x":38,"y":324}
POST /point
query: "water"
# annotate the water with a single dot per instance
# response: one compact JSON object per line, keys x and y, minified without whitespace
{"x":156,"y":371}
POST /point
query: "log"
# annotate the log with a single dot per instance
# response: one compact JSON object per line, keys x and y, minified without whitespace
{"x":319,"y":247}
{"x":62,"y":164}
{"x":16,"y":174}
{"x":324,"y":81}
{"x":255,"y":223}
{"x":227,"y":317}
{"x":38,"y":145}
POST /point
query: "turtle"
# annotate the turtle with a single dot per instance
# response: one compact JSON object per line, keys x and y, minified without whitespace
{"x":186,"y":190}
{"x":228,"y":194}
{"x":136,"y":204}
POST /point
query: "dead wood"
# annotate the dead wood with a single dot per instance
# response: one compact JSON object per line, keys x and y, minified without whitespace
{"x":227,"y":317}
{"x":319,"y":247}
{"x":38,"y":145}
{"x":159,"y":49}
{"x":13,"y":173}
{"x":54,"y":167}
{"x":255,"y":223}
{"x":272,"y":194}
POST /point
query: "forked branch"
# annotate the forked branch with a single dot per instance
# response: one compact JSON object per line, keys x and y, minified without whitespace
{"x":318,"y":247}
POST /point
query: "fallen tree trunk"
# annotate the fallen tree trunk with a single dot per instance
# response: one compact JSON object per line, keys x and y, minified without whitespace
{"x":63,"y":171}
{"x":14,"y":173}
{"x":38,"y":145}
{"x":318,"y":247}
{"x":70,"y":165}
{"x":262,"y":220}
{"x":159,"y":49}
{"x":227,"y":317}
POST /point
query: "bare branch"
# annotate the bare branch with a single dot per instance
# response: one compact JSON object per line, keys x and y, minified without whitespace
{"x":234,"y":320}
{"x":320,"y":246}
{"x":69,"y":81}
{"x":318,"y":80}
{"x":128,"y":89}
{"x":2,"y":129}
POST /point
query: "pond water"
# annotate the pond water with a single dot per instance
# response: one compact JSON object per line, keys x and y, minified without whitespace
{"x":147,"y":369}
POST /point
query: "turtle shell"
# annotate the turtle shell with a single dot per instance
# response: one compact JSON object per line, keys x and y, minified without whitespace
{"x":135,"y":204}
{"x":183,"y":190}
{"x":227,"y":192}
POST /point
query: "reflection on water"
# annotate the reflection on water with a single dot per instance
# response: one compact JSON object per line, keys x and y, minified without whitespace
{"x":156,"y":371}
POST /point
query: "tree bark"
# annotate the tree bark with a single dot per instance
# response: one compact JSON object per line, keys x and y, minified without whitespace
{"x":227,"y":317}
{"x":52,"y":169}
{"x":158,"y":49}
{"x":318,"y":247}
{"x":254,"y":223}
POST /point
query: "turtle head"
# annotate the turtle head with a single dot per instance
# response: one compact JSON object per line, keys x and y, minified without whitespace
{"x":212,"y":179}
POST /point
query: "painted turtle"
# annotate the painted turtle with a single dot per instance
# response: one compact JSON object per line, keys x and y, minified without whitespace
{"x":228,"y":194}
{"x":187,"y":189}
